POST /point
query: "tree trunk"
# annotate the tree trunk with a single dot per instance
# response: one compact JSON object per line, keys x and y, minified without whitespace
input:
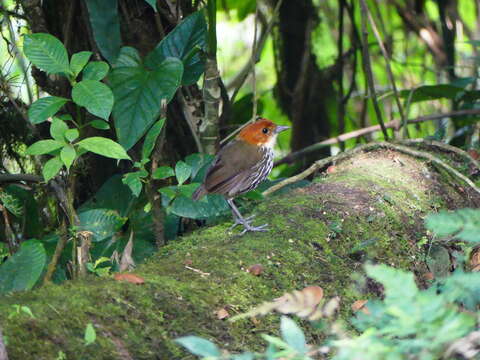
{"x":367,"y":208}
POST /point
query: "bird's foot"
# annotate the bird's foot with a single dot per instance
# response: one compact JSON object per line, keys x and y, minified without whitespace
{"x":247,"y":225}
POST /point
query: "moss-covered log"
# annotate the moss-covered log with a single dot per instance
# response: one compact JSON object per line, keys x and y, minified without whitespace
{"x":369,"y":207}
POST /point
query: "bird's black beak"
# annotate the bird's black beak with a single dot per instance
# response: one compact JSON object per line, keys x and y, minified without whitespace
{"x":279,"y":129}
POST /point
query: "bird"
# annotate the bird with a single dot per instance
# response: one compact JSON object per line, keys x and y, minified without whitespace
{"x":240,"y":166}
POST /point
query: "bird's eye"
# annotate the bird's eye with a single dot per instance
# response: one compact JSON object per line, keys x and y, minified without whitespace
{"x":265,"y":130}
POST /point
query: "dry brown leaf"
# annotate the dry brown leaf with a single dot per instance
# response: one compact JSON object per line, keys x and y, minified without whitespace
{"x":188,"y":262}
{"x":129,"y":277}
{"x":222,"y":314}
{"x":331,"y":169}
{"x":475,"y":259}
{"x":301,"y":303}
{"x":329,"y":309}
{"x":360,"y":305}
{"x":256,"y":269}
{"x":429,"y":276}
{"x":474,"y":154}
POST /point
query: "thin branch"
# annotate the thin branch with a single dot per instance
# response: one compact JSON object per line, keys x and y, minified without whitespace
{"x":320,"y":164}
{"x":3,"y":348}
{"x":368,"y":69}
{"x":8,"y":178}
{"x":368,"y":130}
{"x":252,"y":61}
{"x":389,"y":70}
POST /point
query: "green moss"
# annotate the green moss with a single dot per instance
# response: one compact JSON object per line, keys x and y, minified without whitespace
{"x":368,"y":210}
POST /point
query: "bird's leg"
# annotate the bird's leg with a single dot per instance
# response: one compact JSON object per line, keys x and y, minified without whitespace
{"x":246,"y":222}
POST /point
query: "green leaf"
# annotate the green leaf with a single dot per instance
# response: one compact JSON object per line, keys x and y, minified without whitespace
{"x":14,"y":197}
{"x":187,"y":190}
{"x":463,"y":224}
{"x":47,"y":53}
{"x":100,"y":124}
{"x":68,"y":155}
{"x":95,"y":96}
{"x":52,"y":168}
{"x":182,"y":43}
{"x":182,"y":172}
{"x":153,"y":4}
{"x":134,"y":182}
{"x":90,"y":334}
{"x":105,"y":23}
{"x":95,"y":70}
{"x":22,"y":270}
{"x":103,"y":223}
{"x":128,"y":56}
{"x":293,"y":335}
{"x":58,"y":128}
{"x":43,"y":147}
{"x":78,"y":62}
{"x":210,"y":206}
{"x":163,"y":172}
{"x":72,"y":134}
{"x":398,"y":284}
{"x":138,"y":94}
{"x":198,"y":346}
{"x":432,"y":92}
{"x":104,"y":146}
{"x":151,"y":138}
{"x":44,"y":108}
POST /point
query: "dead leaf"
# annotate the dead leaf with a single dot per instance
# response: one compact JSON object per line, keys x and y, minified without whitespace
{"x":126,"y":261}
{"x":256,"y":269}
{"x":428,"y":276}
{"x":222,"y":314}
{"x":188,"y":262}
{"x":301,"y":303}
{"x":360,"y":305}
{"x":475,"y":259}
{"x":329,"y":309}
{"x":129,"y":277}
{"x":331,"y":169}
{"x":474,"y":154}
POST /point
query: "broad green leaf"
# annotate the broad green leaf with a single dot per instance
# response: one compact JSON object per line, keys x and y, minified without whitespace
{"x":104,"y":146}
{"x":103,"y":223}
{"x":95,"y":70}
{"x":72,"y":134}
{"x":187,"y":190}
{"x":43,"y":147}
{"x":22,"y":270}
{"x":463,"y":224}
{"x":196,"y":162}
{"x":47,"y":53}
{"x":16,"y":198}
{"x":169,"y":191}
{"x":182,"y":172}
{"x":432,"y":92}
{"x":105,"y":23}
{"x":198,"y":346}
{"x":138,"y":94}
{"x":90,"y":334}
{"x":293,"y":335}
{"x":183,"y":43}
{"x":209,"y":206}
{"x":397,"y":283}
{"x":134,"y":182}
{"x":95,"y":96}
{"x":44,"y":108}
{"x":163,"y":172}
{"x":151,"y":138}
{"x":58,"y":128}
{"x":67,"y":155}
{"x":100,"y":124}
{"x":52,"y":168}
{"x":107,"y":197}
{"x":11,"y":202}
{"x":78,"y":62}
{"x":128,"y":56}
{"x":153,"y":4}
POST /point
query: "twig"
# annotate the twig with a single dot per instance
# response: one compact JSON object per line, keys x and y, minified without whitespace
{"x":368,"y":130}
{"x":368,"y":147}
{"x":6,"y":178}
{"x":203,"y":274}
{"x":9,"y":233}
{"x":240,"y":79}
{"x":389,"y":71}
{"x":368,"y":69}
{"x":3,"y":348}
{"x":252,"y":61}
{"x":61,"y":243}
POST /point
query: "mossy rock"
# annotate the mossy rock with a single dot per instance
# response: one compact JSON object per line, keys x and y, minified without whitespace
{"x":368,"y":208}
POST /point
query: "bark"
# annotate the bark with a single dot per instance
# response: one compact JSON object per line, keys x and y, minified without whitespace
{"x":303,"y":89}
{"x":367,"y":208}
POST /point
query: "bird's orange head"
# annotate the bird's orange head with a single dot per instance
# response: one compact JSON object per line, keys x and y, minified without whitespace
{"x":262,"y":132}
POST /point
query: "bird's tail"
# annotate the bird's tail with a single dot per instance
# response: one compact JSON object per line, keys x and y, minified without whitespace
{"x":199,"y":193}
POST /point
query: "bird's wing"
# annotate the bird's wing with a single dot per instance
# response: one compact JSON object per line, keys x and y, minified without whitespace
{"x":231,"y":169}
